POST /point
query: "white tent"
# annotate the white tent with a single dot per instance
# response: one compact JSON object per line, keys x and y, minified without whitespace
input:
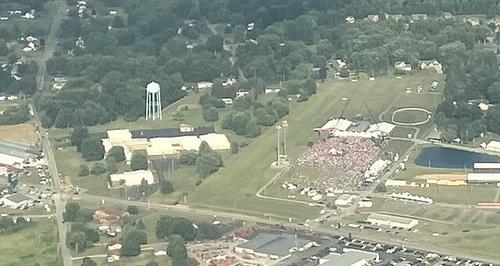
{"x":133,"y":178}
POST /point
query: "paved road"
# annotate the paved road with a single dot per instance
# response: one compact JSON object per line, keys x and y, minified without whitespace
{"x":50,"y":46}
{"x":313,"y":229}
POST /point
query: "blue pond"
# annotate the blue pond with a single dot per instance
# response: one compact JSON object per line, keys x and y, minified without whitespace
{"x":439,"y":157}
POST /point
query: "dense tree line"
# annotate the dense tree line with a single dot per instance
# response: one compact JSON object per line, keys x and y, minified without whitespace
{"x":7,"y":224}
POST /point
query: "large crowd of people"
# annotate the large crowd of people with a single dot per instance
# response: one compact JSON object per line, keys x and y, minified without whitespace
{"x":336,"y":163}
{"x":350,"y":154}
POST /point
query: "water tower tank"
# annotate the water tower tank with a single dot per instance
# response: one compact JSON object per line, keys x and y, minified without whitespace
{"x":153,"y":87}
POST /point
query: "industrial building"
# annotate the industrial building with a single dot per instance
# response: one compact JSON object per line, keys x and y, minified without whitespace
{"x":350,"y":257}
{"x":274,"y":245}
{"x":486,"y":168}
{"x":391,"y":221}
{"x":14,"y":153}
{"x":483,"y":178}
{"x":445,"y":179}
{"x":344,"y":200}
{"x":162,"y":142}
{"x":133,"y":178}
{"x":16,"y":201}
{"x":493,"y":146}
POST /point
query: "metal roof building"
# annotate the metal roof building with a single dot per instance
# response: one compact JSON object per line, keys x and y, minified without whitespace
{"x":133,"y":178}
{"x":490,"y":178}
{"x":350,"y":257}
{"x":391,"y":220}
{"x":273,"y":245}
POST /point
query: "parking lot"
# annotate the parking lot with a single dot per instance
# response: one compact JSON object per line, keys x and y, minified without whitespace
{"x":388,"y":254}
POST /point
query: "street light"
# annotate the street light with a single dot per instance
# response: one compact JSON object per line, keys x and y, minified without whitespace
{"x":284,"y":124}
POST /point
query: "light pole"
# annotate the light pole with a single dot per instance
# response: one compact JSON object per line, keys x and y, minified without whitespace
{"x":278,"y":128}
{"x":284,"y":124}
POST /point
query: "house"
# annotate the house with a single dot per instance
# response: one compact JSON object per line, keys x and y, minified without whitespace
{"x":447,"y":15}
{"x":240,"y":94}
{"x":402,"y":66}
{"x":431,"y":65}
{"x":473,"y":21}
{"x":205,"y":85}
{"x":418,"y":17}
{"x":272,"y":90}
{"x":227,"y":101}
{"x":373,"y":18}
{"x":17,"y":200}
{"x":397,"y":17}
{"x":350,"y":19}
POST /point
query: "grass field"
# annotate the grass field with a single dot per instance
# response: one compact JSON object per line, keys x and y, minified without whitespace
{"x":234,"y":186}
{"x":402,"y":132}
{"x":24,"y":133}
{"x":32,"y":245}
{"x":410,"y":116}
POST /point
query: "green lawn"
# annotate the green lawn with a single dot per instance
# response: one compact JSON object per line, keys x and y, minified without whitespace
{"x":68,"y":164}
{"x":234,"y":186}
{"x":410,"y":116}
{"x":402,"y":132}
{"x":36,"y":244}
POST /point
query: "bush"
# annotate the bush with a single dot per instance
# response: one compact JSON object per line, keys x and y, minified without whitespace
{"x":132,"y":209}
{"x":84,"y":170}
{"x":111,"y":165}
{"x":380,"y":188}
{"x":98,"y":168}
{"x":234,"y":147}
{"x":139,"y":161}
{"x":166,"y":187}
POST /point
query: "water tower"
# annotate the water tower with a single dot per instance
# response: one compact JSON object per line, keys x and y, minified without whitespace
{"x":153,"y":101}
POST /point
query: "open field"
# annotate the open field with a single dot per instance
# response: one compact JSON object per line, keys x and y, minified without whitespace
{"x":402,"y":132}
{"x":30,"y":246}
{"x":24,"y":133}
{"x":427,"y":101}
{"x":234,"y":186}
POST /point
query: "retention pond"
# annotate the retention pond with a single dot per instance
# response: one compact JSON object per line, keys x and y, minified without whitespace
{"x":439,"y":157}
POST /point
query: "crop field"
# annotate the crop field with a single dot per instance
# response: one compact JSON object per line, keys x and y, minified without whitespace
{"x":234,"y":186}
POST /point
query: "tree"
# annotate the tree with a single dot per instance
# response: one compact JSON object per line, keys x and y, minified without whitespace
{"x":139,"y":161}
{"x":3,"y":48}
{"x":167,"y":226}
{"x":234,"y":147}
{"x":252,"y":130}
{"x":177,"y":247}
{"x":118,"y":153}
{"x":71,"y":212}
{"x":214,"y":43}
{"x":208,"y":163}
{"x":208,"y":231}
{"x":84,"y":170}
{"x":88,"y":262}
{"x":111,"y":165}
{"x":188,"y":157}
{"x":166,"y":187}
{"x":210,"y":113}
{"x":132,"y":209}
{"x":92,"y":149}
{"x":130,"y":247}
{"x":204,"y":148}
{"x":118,"y":22}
